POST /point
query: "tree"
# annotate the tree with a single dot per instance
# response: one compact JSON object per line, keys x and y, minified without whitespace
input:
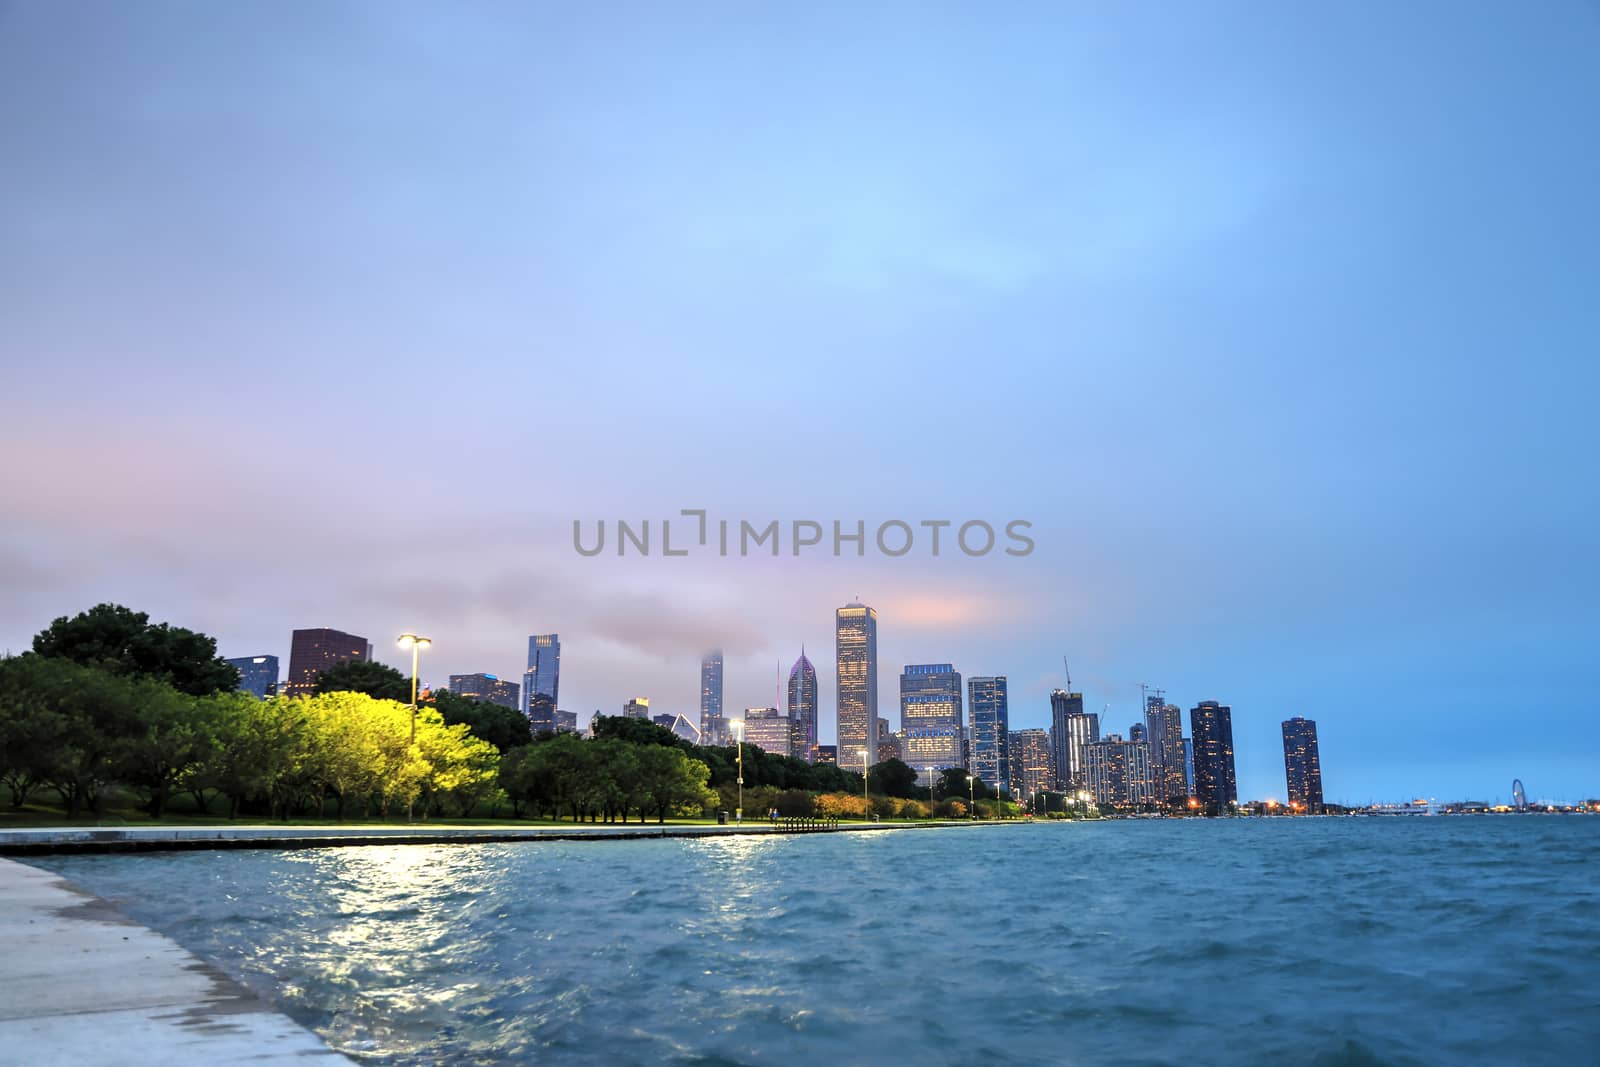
{"x":893,"y":778}
{"x":121,"y":641}
{"x":637,"y":731}
{"x":953,"y":783}
{"x":504,"y":728}
{"x":364,"y":676}
{"x":164,"y":743}
{"x":670,"y":780}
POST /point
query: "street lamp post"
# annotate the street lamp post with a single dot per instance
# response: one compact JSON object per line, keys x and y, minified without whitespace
{"x":930,"y":792}
{"x":737,"y":726}
{"x":416,"y":643}
{"x":972,"y":798}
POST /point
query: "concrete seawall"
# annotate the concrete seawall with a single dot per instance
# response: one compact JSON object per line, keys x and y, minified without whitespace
{"x":56,"y":840}
{"x":83,"y":984}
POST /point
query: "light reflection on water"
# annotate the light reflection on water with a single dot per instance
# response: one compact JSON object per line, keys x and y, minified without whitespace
{"x":1427,"y":941}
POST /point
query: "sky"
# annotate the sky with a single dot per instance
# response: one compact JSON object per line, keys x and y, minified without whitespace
{"x":1278,"y":324}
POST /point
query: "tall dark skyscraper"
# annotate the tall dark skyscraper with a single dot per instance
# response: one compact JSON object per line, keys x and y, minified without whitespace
{"x":541,"y":683}
{"x":257,"y":674}
{"x":931,"y":728}
{"x":1211,"y":728}
{"x":1164,"y":730}
{"x":711,"y":728}
{"x":489,"y":688}
{"x":1302,"y":765}
{"x":990,"y":730}
{"x":803,"y":707}
{"x":1064,"y":707}
{"x":856,"y":637}
{"x":313,"y":651}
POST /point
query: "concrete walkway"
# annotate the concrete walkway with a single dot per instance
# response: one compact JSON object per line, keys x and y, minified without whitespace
{"x":80,"y":983}
{"x":23,"y":842}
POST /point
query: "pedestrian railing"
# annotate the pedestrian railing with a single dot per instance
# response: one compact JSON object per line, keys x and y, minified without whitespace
{"x":807,"y":825}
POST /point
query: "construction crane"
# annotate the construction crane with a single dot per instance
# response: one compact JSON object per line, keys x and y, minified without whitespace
{"x":1068,"y":669}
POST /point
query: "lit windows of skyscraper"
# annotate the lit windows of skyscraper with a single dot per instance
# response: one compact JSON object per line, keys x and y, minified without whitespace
{"x":1032,"y":764}
{"x":487,"y":687}
{"x":1118,"y":772}
{"x":257,"y":674}
{"x":803,"y":706}
{"x":1068,"y":759}
{"x":856,"y":636}
{"x":1302,"y":765}
{"x":541,"y":684}
{"x":1082,"y":730}
{"x":828,"y":754}
{"x":931,"y":728}
{"x":711,"y":697}
{"x":637,"y":708}
{"x":990,"y":730}
{"x":769,"y":730}
{"x":888,"y":742}
{"x":313,"y":651}
{"x":1211,"y":728}
{"x":1164,"y":731}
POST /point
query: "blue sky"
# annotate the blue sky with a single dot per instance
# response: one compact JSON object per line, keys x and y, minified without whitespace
{"x":1278,"y":323}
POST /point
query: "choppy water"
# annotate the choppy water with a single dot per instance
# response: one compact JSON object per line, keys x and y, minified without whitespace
{"x":1335,"y":941}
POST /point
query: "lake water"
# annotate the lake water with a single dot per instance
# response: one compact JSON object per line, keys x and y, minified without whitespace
{"x":1332,"y":941}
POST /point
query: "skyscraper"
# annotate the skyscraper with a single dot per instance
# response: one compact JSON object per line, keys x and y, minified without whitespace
{"x":1064,"y":708}
{"x":1211,"y":727}
{"x":1032,"y":764}
{"x":803,"y":706}
{"x":1119,"y":772}
{"x":313,"y":651}
{"x":257,"y":674}
{"x":487,"y":687}
{"x":856,"y":638}
{"x":541,"y":682}
{"x":769,"y":730}
{"x":931,"y":727}
{"x":711,"y":697}
{"x":888,"y":742}
{"x":1083,"y":729}
{"x":990,"y":730}
{"x":1164,"y":730}
{"x":1302,"y":765}
{"x":636,"y":708}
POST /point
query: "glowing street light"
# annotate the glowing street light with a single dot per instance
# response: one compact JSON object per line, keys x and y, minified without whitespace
{"x":416,"y":644}
{"x":972,"y":801}
{"x":737,"y":726}
{"x":930,"y":790}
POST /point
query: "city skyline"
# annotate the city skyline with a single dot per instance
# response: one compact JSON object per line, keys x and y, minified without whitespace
{"x":1276,"y":326}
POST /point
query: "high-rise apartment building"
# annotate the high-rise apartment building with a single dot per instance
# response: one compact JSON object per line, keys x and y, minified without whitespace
{"x":313,"y":651}
{"x":541,"y":683}
{"x":1211,"y":727}
{"x":257,"y":675}
{"x":931,"y":729}
{"x":1164,"y":730}
{"x":1302,"y":765}
{"x":856,"y":638}
{"x":803,"y":706}
{"x":1033,"y":768}
{"x":1064,"y":708}
{"x":989,"y":726}
{"x":1082,"y":730}
{"x":488,"y":688}
{"x":711,"y":727}
{"x":1119,"y":772}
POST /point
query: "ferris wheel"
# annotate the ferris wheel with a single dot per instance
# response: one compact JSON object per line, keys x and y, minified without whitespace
{"x":1519,"y":796}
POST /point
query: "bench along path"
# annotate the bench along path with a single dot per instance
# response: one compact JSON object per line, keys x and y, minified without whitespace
{"x":81,"y":983}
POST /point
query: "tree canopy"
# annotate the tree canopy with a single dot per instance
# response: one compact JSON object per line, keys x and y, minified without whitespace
{"x":124,"y":642}
{"x":364,"y":676}
{"x":504,"y":728}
